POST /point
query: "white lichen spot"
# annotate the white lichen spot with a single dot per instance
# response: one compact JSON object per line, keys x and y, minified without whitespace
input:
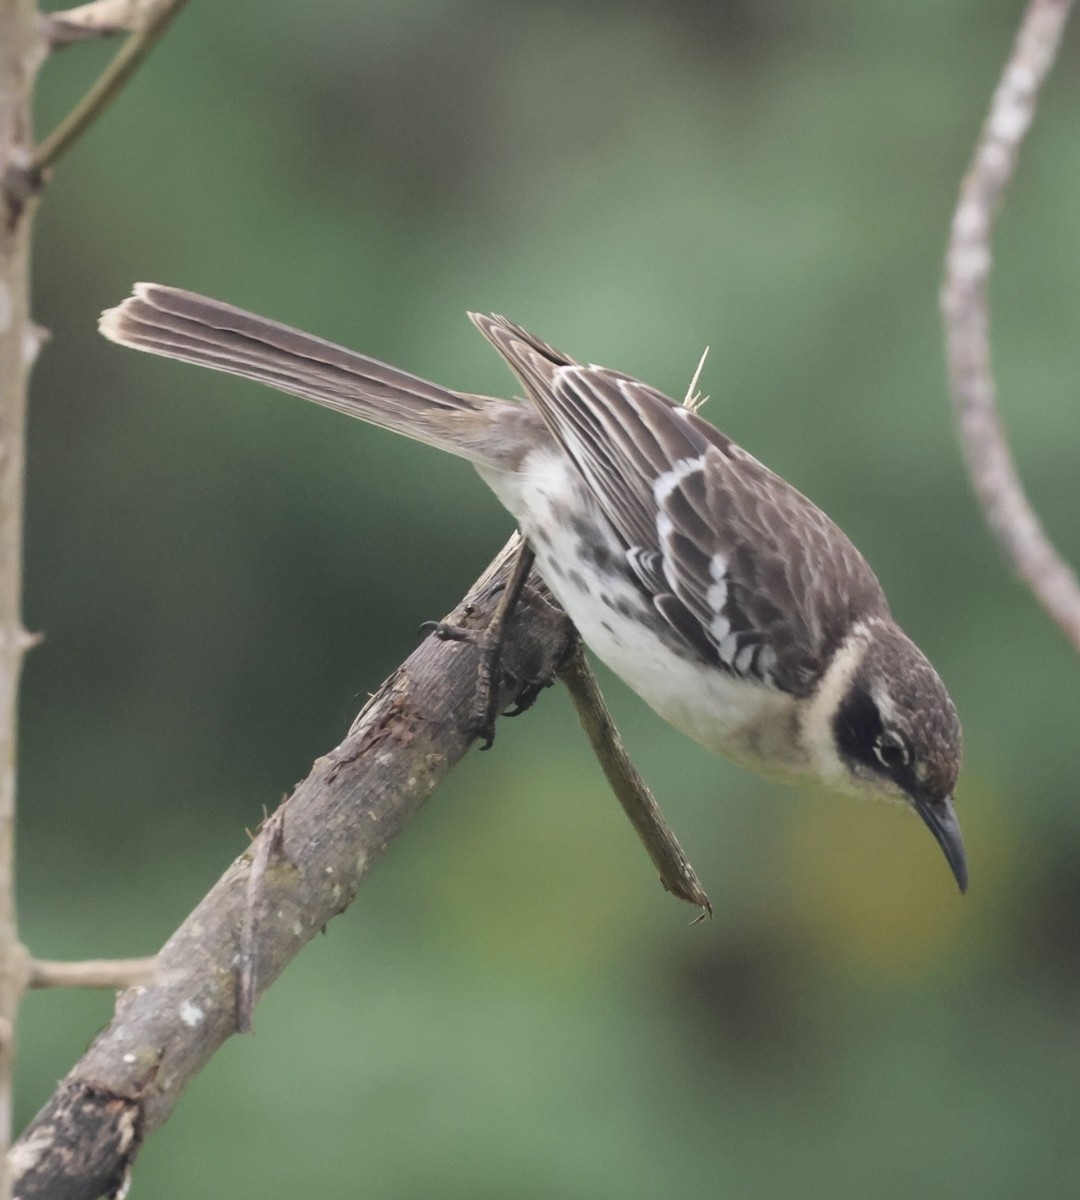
{"x":191,"y":1014}
{"x":297,"y":928}
{"x":128,"y":1058}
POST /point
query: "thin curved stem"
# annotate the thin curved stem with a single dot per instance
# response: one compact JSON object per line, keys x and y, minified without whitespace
{"x":107,"y":86}
{"x":990,"y":462}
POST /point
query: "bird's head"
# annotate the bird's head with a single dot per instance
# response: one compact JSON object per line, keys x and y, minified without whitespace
{"x":893,"y":732}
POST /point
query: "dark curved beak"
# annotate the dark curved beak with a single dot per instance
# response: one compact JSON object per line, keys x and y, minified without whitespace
{"x":940,"y":818}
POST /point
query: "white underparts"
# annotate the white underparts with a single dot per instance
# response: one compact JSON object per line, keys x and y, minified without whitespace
{"x":744,"y":719}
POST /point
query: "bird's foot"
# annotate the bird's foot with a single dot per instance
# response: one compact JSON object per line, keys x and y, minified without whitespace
{"x":489,"y":643}
{"x":489,"y":674}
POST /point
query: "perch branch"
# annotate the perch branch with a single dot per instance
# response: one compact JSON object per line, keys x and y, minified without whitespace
{"x":269,"y":849}
{"x":966,"y":312}
{"x":304,"y":867}
{"x":329,"y":834}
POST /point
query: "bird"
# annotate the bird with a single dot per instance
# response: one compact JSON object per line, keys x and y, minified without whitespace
{"x":715,"y":589}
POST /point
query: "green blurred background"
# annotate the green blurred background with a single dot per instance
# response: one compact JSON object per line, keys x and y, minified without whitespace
{"x":513,"y":1007}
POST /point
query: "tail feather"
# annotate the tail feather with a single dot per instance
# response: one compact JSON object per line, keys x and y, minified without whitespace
{"x":209,"y":333}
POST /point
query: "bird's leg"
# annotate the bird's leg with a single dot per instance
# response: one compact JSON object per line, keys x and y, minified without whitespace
{"x":491,"y":645}
{"x":489,"y":641}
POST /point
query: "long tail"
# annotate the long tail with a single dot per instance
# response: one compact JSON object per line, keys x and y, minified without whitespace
{"x":183,"y":325}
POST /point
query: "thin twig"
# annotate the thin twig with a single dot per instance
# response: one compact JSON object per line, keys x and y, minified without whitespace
{"x":158,"y":15}
{"x":964,"y":304}
{"x":632,"y":792}
{"x":115,"y":973}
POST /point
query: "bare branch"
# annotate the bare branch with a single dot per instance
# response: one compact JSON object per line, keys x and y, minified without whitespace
{"x":326,"y":838}
{"x":304,"y":867}
{"x":23,"y":52}
{"x":116,"y":973}
{"x":156,"y":15}
{"x":632,"y":792}
{"x":965,"y":308}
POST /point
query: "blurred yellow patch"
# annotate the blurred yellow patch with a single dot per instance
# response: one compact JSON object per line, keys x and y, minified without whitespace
{"x":871,"y":887}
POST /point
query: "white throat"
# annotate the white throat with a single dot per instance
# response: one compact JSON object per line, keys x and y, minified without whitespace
{"x":817,"y":734}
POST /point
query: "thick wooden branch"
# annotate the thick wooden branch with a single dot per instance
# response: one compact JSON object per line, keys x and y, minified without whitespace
{"x":326,"y":837}
{"x":967,"y":321}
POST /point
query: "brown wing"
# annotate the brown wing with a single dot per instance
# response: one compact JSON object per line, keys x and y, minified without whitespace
{"x":743,"y":567}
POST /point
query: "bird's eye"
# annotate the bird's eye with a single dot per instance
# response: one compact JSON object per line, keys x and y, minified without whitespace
{"x":891,"y":750}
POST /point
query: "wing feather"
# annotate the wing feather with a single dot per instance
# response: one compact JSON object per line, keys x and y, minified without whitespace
{"x":742,"y":567}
